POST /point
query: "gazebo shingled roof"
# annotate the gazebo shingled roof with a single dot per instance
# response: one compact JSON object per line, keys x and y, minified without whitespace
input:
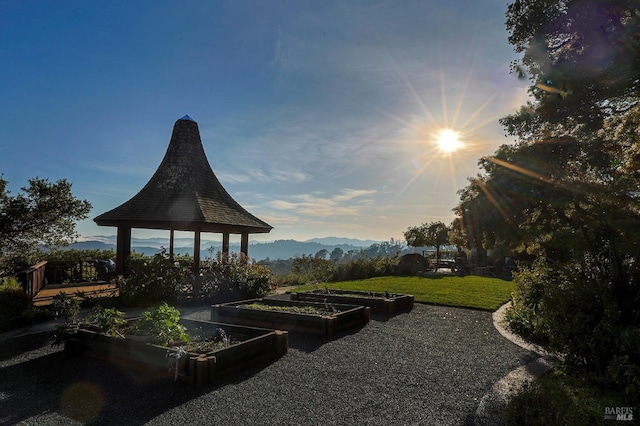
{"x":184,"y":194}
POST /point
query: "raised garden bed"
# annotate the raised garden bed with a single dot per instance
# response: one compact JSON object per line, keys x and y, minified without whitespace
{"x":383,"y":303}
{"x":309,"y":317}
{"x":200,"y":363}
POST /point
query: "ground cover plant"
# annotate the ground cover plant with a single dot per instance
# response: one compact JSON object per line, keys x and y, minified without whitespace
{"x":469,"y":292}
{"x":352,"y":293}
{"x":311,"y":310}
{"x":204,"y":342}
{"x":560,"y":397}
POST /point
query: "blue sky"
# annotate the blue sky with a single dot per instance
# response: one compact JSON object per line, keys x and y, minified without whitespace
{"x":321,"y":117}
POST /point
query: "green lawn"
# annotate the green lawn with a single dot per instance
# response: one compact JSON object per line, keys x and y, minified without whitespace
{"x":470,"y":291}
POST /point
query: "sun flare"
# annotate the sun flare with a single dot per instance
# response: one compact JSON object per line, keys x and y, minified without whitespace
{"x":449,"y":141}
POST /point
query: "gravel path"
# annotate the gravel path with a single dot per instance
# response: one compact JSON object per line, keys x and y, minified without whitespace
{"x":431,"y":366}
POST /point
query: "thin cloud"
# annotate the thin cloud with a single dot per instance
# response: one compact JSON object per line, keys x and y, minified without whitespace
{"x":349,"y":202}
{"x":349,"y":194}
{"x":263,"y":176}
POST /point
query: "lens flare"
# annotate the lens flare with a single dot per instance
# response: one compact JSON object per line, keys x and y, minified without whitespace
{"x":449,"y":141}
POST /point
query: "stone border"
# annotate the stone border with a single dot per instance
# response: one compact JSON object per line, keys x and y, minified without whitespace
{"x":489,"y":411}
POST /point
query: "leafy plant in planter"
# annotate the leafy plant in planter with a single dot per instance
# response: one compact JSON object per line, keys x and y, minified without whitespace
{"x":162,"y":325}
{"x":63,"y":332}
{"x":211,"y":341}
{"x":65,"y":306}
{"x":108,"y":321}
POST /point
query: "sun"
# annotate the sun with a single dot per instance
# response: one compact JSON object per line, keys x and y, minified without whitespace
{"x":449,"y":141}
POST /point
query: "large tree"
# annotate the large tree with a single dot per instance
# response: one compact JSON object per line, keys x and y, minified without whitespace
{"x":582,"y":57}
{"x":44,"y":213}
{"x":570,"y":183}
{"x":569,"y":188}
{"x":435,"y":234}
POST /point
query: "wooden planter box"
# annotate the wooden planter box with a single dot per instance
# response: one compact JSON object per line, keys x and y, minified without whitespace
{"x":347,"y":317}
{"x":378,"y":302}
{"x":257,"y":346}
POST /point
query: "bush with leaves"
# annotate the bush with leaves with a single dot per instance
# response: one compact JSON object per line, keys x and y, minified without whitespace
{"x":313,"y":269}
{"x":231,"y":277}
{"x":152,"y":280}
{"x":14,"y":304}
{"x":162,"y":325}
{"x":363,"y":268}
{"x":523,"y":313}
{"x":576,"y":313}
{"x":254,"y":281}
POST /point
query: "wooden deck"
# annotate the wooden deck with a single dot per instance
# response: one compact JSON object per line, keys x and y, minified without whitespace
{"x":46,"y":295}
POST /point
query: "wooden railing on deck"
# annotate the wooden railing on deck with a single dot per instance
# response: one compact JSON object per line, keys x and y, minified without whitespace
{"x":34,"y":278}
{"x":77,"y":271}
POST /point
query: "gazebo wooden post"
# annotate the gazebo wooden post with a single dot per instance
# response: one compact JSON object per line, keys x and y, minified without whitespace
{"x":244,"y":244}
{"x":225,"y":243}
{"x":171,"y":244}
{"x":196,"y":252}
{"x":123,"y":250}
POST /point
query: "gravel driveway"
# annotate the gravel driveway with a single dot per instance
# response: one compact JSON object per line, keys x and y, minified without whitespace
{"x":427,"y":367}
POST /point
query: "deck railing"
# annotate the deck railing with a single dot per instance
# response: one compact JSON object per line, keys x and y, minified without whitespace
{"x":77,"y":271}
{"x":34,"y":278}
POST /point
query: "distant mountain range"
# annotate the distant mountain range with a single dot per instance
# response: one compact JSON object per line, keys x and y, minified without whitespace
{"x":279,"y":249}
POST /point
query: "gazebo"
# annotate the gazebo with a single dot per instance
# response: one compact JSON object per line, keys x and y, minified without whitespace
{"x":183,"y":195}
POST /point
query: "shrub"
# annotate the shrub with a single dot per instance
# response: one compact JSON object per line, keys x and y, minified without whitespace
{"x":624,"y":367}
{"x":234,"y":276}
{"x":291,"y":280}
{"x":254,"y":281}
{"x":10,"y":284}
{"x":225,"y":278}
{"x":14,"y":303}
{"x":577,"y":314}
{"x":311,"y":269}
{"x":363,"y":268}
{"x":162,"y":324}
{"x":523,"y":314}
{"x":152,"y":280}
